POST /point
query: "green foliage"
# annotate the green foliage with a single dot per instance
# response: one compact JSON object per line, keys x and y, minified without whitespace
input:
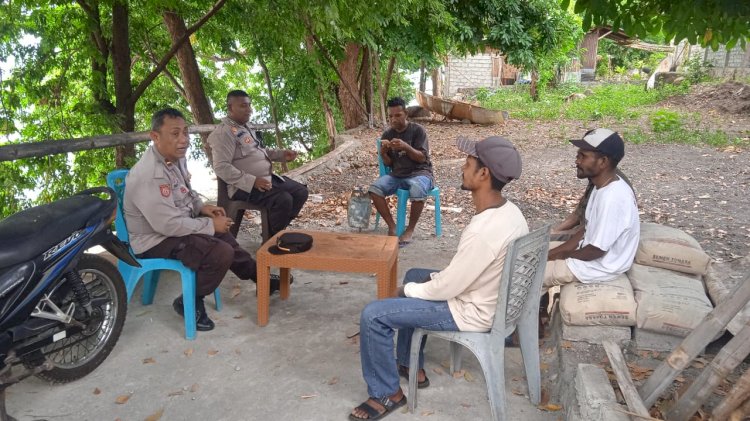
{"x":709,"y":22}
{"x":665,"y":121}
{"x":685,"y":136}
{"x":618,"y":101}
{"x":697,"y":70}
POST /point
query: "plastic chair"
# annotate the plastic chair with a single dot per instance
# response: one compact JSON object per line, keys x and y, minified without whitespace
{"x":151,"y":268}
{"x":403,"y":196}
{"x":235,"y":209}
{"x":517,"y":308}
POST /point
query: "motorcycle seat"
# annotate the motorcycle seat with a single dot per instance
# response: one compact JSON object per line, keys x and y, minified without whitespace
{"x":29,"y":233}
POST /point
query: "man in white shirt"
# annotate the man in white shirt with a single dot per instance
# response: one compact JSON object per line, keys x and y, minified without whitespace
{"x":606,"y":245}
{"x":461,"y":297}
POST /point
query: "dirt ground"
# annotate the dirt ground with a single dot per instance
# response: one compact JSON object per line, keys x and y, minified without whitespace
{"x":700,"y":189}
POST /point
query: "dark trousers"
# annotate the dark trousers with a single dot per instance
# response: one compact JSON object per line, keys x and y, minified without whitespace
{"x":209,"y":256}
{"x":284,"y":201}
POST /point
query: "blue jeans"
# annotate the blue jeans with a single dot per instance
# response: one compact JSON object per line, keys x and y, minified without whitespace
{"x":378,"y":322}
{"x":419,"y":186}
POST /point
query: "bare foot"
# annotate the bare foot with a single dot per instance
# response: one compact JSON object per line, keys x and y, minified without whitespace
{"x":361,"y":414}
{"x":406,"y":236}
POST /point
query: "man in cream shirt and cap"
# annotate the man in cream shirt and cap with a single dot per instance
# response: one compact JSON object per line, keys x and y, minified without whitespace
{"x":461,"y":297}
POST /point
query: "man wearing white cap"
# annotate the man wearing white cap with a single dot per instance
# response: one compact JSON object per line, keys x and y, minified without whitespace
{"x":606,"y":245}
{"x":461,"y":297}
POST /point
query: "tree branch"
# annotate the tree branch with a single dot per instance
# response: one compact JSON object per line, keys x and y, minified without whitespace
{"x":137,"y":92}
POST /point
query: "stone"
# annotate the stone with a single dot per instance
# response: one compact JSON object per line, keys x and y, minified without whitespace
{"x":595,"y":394}
{"x":415,"y":111}
{"x":664,"y":78}
{"x":595,"y":334}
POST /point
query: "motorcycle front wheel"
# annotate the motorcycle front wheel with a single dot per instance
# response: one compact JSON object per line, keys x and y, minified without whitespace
{"x":78,"y":355}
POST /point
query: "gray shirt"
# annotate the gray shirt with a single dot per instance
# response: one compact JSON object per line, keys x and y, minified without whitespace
{"x":159,"y":202}
{"x":238,"y":156}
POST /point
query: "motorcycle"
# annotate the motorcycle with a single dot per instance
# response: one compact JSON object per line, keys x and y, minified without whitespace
{"x":61,"y":309}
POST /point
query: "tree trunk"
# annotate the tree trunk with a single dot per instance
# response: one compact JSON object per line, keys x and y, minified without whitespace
{"x":422,"y":78}
{"x":330,"y":120}
{"x":533,"y":89}
{"x":367,"y":53}
{"x":191,"y":77}
{"x":347,"y":68}
{"x":274,"y":111}
{"x":381,"y":94}
{"x":437,"y":83}
{"x":388,"y":77}
{"x":124,"y":107}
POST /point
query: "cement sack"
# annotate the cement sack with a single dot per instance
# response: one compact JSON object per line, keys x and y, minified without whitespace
{"x":722,"y":279}
{"x":605,"y":303}
{"x":668,"y":302}
{"x":670,"y":248}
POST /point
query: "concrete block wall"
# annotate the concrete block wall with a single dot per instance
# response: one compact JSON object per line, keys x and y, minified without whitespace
{"x":468,"y":72}
{"x":735,"y":62}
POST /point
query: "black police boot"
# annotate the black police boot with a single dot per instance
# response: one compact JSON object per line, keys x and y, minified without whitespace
{"x":202,"y":322}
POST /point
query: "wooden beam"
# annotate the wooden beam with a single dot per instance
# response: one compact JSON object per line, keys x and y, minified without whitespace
{"x":53,"y":147}
{"x":629,"y":392}
{"x":740,"y":393}
{"x":701,"y":336}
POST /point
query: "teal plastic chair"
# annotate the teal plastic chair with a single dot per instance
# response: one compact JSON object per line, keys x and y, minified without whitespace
{"x":151,"y":268}
{"x":517,"y":308}
{"x":403,"y":196}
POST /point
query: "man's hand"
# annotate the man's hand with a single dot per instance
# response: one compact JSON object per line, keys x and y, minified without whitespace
{"x":261,"y":184}
{"x":399,"y":145}
{"x":385,"y":146}
{"x":211,"y":211}
{"x":222,"y":224}
{"x":290,"y":155}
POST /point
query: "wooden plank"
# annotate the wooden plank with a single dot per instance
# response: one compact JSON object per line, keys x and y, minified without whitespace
{"x":730,"y":356}
{"x":701,"y":336}
{"x":629,"y":392}
{"x":739,"y":394}
{"x":53,"y":147}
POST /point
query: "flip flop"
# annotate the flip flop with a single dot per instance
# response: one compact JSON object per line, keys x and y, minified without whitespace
{"x":404,"y":372}
{"x":373,"y":414}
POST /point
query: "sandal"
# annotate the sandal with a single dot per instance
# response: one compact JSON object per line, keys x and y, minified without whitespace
{"x":404,"y":372}
{"x":373,"y":414}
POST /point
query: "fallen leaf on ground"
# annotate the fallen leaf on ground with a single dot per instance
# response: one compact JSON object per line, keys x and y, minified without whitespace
{"x":97,"y":391}
{"x":566,"y":344}
{"x":427,"y":413}
{"x":445,"y":364}
{"x":188,"y":352}
{"x":149,"y":360}
{"x":156,"y":416}
{"x":333,"y":381}
{"x":468,"y":377}
{"x":459,"y":374}
{"x":236,"y":290}
{"x":194,"y":388}
{"x":343,"y":282}
{"x":543,"y":366}
{"x":176,"y":393}
{"x":239,"y":316}
{"x":122,"y":399}
{"x":465,"y":405}
{"x":545,"y":397}
{"x":517,"y":392}
{"x":549,"y":351}
{"x":438,"y":371}
{"x":550,"y":407}
{"x":213,"y":352}
{"x":308,"y":396}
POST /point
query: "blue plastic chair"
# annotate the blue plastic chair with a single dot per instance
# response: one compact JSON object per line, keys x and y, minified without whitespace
{"x":151,"y":268}
{"x":517,"y":309}
{"x":403,"y":196}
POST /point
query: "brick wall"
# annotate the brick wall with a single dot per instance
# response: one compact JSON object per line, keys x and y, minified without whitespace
{"x":468,"y":72}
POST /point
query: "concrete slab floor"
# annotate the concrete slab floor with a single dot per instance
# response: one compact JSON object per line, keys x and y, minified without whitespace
{"x":301,"y":366}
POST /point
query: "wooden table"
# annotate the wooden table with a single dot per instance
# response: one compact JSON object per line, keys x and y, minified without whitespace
{"x":331,"y":251}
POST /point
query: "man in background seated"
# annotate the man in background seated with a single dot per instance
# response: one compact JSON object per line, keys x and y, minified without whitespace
{"x":405,"y":149}
{"x":247,"y":167}
{"x":167,"y":219}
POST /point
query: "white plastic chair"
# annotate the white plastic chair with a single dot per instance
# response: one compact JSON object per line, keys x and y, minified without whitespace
{"x":517,"y":307}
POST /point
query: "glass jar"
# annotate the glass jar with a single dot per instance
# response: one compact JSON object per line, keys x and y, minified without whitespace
{"x":358,"y":212}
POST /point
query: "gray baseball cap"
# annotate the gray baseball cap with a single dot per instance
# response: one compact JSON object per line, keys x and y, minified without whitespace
{"x":497,"y":153}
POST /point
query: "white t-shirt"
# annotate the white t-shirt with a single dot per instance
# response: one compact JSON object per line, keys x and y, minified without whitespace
{"x":470,"y":282}
{"x":612,"y":225}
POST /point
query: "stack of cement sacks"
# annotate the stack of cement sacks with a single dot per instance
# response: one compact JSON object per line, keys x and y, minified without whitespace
{"x":662,"y":297}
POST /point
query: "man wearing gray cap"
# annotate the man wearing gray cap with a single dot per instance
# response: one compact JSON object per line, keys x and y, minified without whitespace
{"x":461,"y":297}
{"x":606,"y":245}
